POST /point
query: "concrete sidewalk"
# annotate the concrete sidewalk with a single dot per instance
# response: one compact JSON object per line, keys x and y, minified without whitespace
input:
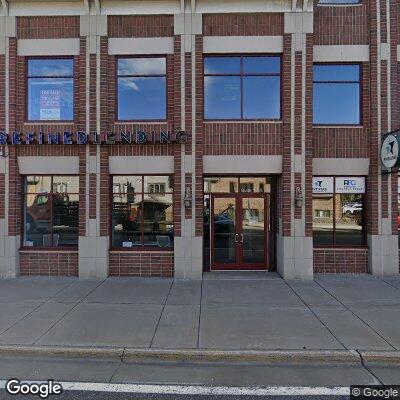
{"x":256,"y":311}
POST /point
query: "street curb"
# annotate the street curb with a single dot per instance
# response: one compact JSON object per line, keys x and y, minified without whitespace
{"x":268,"y":356}
{"x":380,"y":357}
{"x":186,"y":355}
{"x":63,"y":351}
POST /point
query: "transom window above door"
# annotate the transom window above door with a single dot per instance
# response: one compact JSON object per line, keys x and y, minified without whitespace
{"x":242,"y":87}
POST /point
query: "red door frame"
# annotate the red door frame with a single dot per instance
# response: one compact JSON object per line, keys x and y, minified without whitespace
{"x":239,"y":264}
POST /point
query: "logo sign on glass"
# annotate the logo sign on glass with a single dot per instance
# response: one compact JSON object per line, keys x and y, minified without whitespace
{"x":390,"y":151}
{"x":322,"y":184}
{"x":351,"y":185}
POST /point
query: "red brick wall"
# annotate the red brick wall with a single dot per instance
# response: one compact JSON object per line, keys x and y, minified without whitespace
{"x":341,"y":25}
{"x":140,"y":25}
{"x":353,"y":261}
{"x":50,"y":263}
{"x":242,"y":138}
{"x":141,"y":263}
{"x":48,"y":27}
{"x":242,"y":24}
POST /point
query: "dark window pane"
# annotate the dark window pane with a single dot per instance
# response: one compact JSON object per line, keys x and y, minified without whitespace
{"x":65,"y":219}
{"x":126,"y":221}
{"x":323,"y":220}
{"x":259,"y":65}
{"x":158,"y":217}
{"x":261,"y":97}
{"x":142,"y":66}
{"x":222,"y":97}
{"x":51,"y":68}
{"x":142,"y":98}
{"x":349,"y":221}
{"x":336,"y":103}
{"x":222,"y":65}
{"x":37,"y":230}
{"x":337,"y":73}
{"x":50,"y":99}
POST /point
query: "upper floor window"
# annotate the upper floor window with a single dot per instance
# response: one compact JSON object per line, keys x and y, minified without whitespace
{"x":51,"y":211}
{"x":50,"y":89}
{"x":336,"y":97}
{"x":242,"y":87}
{"x":142,"y":89}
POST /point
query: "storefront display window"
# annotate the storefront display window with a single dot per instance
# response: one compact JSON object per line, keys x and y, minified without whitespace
{"x":338,"y":211}
{"x":50,"y":89}
{"x":51,"y":211}
{"x":336,"y":96}
{"x":142,"y":212}
{"x":246,"y":87}
{"x":142,"y":88}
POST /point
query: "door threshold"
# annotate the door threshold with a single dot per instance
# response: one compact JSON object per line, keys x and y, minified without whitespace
{"x":243,"y":274}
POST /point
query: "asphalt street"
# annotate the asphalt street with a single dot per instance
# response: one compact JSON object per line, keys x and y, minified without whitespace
{"x":80,"y":395}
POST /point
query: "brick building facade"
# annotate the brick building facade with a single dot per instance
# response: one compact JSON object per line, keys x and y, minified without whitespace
{"x":271,"y":223}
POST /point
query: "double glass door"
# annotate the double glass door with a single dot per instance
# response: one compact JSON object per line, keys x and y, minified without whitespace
{"x":239,"y":231}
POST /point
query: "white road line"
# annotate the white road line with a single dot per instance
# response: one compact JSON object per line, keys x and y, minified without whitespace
{"x":200,"y":390}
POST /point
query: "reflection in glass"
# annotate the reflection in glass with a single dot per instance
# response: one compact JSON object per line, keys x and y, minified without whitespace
{"x":221,"y":185}
{"x":222,"y":97}
{"x":142,"y":66}
{"x":221,"y":65}
{"x":224,"y":230}
{"x":349,"y":223}
{"x":261,"y":97}
{"x":65,"y":219}
{"x":142,"y":92}
{"x":253,"y":230}
{"x":142,"y":218}
{"x":335,"y":103}
{"x":50,"y":89}
{"x":336,"y":94}
{"x":261,"y":65}
{"x":158,"y":217}
{"x":51,"y":217}
{"x":206,"y":232}
{"x":126,"y":222}
{"x":142,"y":98}
{"x":323,"y":219}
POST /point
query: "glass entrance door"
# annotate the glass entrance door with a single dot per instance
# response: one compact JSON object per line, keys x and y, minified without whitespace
{"x":253,"y":230}
{"x":224,"y":232}
{"x":238,"y":236}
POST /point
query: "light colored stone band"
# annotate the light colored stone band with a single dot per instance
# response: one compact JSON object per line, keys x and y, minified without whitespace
{"x":242,"y":164}
{"x":243,"y":44}
{"x":162,"y":45}
{"x":356,"y":53}
{"x":48,"y":47}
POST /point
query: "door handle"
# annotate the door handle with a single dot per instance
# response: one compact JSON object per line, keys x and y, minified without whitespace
{"x":236,"y":235}
{"x":241,"y":238}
